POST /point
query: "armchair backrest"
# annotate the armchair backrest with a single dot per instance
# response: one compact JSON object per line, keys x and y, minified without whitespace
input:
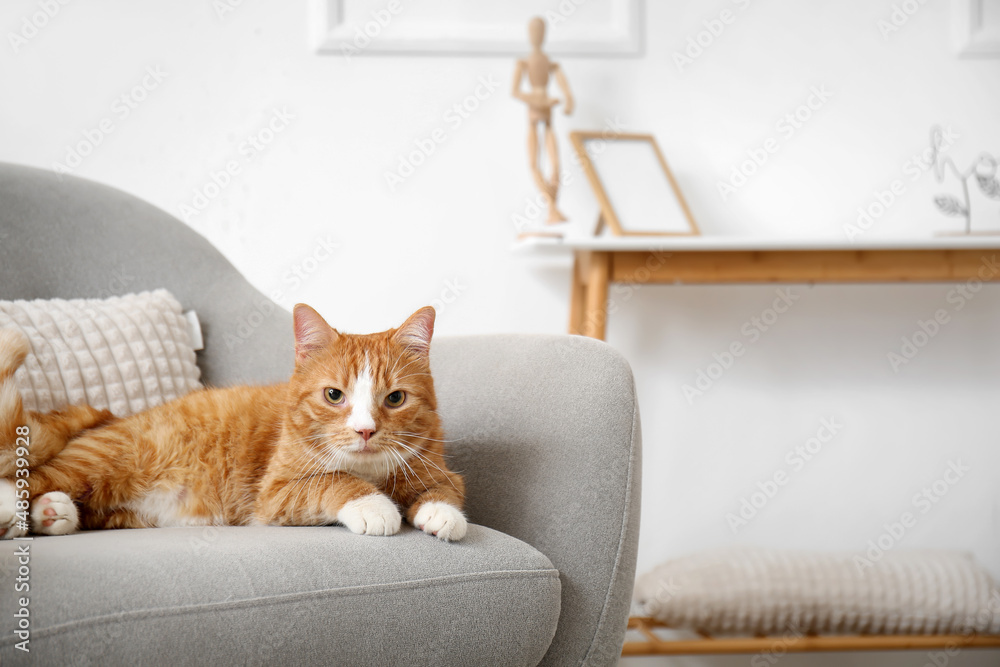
{"x":65,"y":237}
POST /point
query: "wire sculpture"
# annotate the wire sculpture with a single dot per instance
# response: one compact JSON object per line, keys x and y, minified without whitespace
{"x":984,"y":169}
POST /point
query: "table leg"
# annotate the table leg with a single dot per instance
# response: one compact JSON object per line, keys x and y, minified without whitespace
{"x":578,"y":295}
{"x":596,"y":299}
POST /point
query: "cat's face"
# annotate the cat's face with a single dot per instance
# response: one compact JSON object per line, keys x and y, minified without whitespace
{"x":361,"y":403}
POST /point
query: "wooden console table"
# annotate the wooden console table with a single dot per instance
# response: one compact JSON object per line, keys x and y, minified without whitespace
{"x":598,"y":262}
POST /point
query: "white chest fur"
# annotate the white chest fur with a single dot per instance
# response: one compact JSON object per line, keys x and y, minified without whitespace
{"x":168,"y":507}
{"x":374,"y":468}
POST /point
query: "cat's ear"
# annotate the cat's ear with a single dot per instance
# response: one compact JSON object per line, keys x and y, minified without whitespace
{"x":416,"y":332}
{"x":311,"y":332}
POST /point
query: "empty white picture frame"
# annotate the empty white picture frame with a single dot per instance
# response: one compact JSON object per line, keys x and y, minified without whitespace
{"x":976,"y":28}
{"x":434,"y":27}
{"x":636,"y":192}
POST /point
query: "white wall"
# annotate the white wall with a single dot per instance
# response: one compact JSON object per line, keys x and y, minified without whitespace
{"x":322,"y":177}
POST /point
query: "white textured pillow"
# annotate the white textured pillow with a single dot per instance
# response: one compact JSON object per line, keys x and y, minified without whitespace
{"x":746,"y":590}
{"x":125,"y":353}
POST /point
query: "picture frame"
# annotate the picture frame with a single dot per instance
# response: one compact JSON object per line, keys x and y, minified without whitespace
{"x":354,"y":27}
{"x":635,"y":189}
{"x":975,"y":28}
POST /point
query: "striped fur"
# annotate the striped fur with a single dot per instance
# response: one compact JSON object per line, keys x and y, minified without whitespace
{"x":283,"y":454}
{"x":49,"y":432}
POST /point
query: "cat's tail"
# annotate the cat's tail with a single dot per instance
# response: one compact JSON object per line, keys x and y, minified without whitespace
{"x":45,"y":435}
{"x":13,"y":350}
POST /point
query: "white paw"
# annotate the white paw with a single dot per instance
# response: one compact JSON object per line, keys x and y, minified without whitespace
{"x":57,"y":510}
{"x":8,"y":511}
{"x":441,"y":519}
{"x":371,"y":515}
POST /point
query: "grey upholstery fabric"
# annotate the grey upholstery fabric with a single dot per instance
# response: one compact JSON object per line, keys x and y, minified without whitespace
{"x":546,"y":431}
{"x":64,"y":237}
{"x":544,"y":428}
{"x":265,"y":595}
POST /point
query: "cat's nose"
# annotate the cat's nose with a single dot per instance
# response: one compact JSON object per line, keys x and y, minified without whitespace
{"x":365,"y":433}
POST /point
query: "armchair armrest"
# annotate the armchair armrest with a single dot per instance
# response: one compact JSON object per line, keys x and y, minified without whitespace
{"x":545,"y":430}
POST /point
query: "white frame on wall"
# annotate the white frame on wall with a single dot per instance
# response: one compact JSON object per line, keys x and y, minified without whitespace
{"x":330,"y":33}
{"x":973,"y":37}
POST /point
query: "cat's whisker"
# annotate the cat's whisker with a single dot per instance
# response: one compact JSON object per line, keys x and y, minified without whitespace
{"x":317,"y":465}
{"x":423,"y":437}
{"x":425,"y":461}
{"x":318,"y":474}
{"x":407,"y":466}
{"x":442,"y":454}
{"x":408,"y":364}
{"x":322,"y":438}
{"x":411,"y":375}
{"x":393,"y":491}
{"x":395,"y":363}
{"x":296,"y":484}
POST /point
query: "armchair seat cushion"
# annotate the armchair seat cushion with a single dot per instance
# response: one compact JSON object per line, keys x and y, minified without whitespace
{"x":249,"y":595}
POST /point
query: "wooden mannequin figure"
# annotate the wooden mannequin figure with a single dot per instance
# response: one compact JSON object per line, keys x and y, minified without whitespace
{"x":539,"y":68}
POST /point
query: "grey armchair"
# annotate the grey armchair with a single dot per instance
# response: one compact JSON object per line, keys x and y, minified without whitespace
{"x":544,"y":428}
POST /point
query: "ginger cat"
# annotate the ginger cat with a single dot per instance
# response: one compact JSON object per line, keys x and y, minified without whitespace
{"x":352,"y":438}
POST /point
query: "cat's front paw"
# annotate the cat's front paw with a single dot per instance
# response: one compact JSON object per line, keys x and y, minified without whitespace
{"x":54,"y":513}
{"x":371,"y":515}
{"x":9,"y":528}
{"x":441,"y":519}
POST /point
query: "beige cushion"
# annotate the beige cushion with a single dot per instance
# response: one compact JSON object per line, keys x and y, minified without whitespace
{"x":124,"y":353}
{"x":746,"y":590}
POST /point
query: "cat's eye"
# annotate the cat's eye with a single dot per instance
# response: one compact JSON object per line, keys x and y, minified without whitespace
{"x":335,"y":396}
{"x":395,"y":399}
